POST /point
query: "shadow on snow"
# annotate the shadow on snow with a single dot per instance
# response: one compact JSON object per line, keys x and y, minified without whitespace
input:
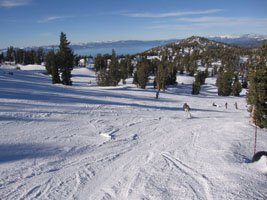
{"x":16,"y":152}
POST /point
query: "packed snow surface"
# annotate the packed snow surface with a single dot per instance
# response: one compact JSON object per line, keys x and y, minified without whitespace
{"x":89,"y":142}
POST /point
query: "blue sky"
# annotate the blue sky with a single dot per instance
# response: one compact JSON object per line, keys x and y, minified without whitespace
{"x":39,"y":22}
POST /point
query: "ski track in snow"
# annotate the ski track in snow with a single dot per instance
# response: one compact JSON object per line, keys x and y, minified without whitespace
{"x":84,"y":142}
{"x":196,"y":176}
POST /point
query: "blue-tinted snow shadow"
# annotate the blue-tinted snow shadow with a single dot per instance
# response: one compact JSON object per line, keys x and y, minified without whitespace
{"x":16,"y":152}
{"x":240,"y":153}
{"x":36,"y":87}
{"x":242,"y":158}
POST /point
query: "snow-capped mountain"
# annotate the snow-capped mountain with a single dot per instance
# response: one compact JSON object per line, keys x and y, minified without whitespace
{"x":245,"y":40}
{"x":245,"y":36}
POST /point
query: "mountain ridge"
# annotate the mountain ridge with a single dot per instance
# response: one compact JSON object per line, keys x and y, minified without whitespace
{"x":245,"y":40}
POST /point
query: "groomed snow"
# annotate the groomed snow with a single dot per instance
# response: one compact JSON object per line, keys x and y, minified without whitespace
{"x":89,"y":142}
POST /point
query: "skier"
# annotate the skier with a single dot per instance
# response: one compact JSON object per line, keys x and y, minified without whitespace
{"x":157,"y":94}
{"x":236,"y":105}
{"x":186,"y":108}
{"x":226,"y":104}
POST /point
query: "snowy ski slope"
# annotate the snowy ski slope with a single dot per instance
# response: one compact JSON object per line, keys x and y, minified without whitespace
{"x":89,"y":142}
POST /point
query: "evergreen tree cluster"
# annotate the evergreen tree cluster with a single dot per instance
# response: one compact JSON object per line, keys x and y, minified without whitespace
{"x":228,"y":83}
{"x":25,"y":57}
{"x":257,"y":93}
{"x":141,"y":75}
{"x":199,"y":80}
{"x":111,"y":69}
{"x":164,"y":71}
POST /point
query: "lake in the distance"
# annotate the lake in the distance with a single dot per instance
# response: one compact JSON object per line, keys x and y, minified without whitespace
{"x":108,"y":50}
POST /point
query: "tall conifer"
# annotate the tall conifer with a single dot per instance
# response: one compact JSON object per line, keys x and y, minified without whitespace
{"x":114,"y":72}
{"x":65,"y":60}
{"x":257,"y":93}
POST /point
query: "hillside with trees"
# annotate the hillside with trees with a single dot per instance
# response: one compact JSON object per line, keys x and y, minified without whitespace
{"x":234,"y":67}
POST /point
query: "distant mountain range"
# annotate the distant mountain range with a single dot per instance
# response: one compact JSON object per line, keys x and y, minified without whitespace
{"x":246,"y":40}
{"x":122,"y":43}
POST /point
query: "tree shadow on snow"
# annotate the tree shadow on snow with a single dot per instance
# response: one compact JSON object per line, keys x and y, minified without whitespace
{"x":43,"y":91}
{"x":16,"y":152}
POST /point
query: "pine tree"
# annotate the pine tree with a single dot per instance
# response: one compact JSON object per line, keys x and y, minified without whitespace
{"x":193,"y":64}
{"x":99,"y":62}
{"x":29,"y":57}
{"x":54,"y":68}
{"x":142,"y":73}
{"x":245,"y":83}
{"x":186,"y":62}
{"x":201,"y":77}
{"x":113,"y":72}
{"x":135,"y":81}
{"x":51,"y":66}
{"x":161,"y":76}
{"x":48,"y":61}
{"x":65,"y":60}
{"x":102,"y":77}
{"x":237,"y":88}
{"x":224,"y":83}
{"x":129,"y":65}
{"x":195,"y":88}
{"x":39,"y":56}
{"x":123,"y":69}
{"x":10,"y":54}
{"x":257,"y":93}
{"x":1,"y":57}
{"x":126,"y":69}
{"x":20,"y":54}
{"x":171,"y":74}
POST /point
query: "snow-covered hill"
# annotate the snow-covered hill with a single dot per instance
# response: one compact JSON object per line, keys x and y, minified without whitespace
{"x":88,"y":142}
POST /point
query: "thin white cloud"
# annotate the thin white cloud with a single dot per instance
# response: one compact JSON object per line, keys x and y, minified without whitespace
{"x":172,"y":27}
{"x":14,"y":3}
{"x":236,"y":22}
{"x":213,"y":22}
{"x":205,"y":19}
{"x":171,"y":14}
{"x":53,"y":18}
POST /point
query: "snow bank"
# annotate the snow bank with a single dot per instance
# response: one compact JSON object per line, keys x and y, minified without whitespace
{"x":260,"y":165}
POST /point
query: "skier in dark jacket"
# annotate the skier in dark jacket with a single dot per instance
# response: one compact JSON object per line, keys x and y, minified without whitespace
{"x":185,"y":106}
{"x":187,"y":110}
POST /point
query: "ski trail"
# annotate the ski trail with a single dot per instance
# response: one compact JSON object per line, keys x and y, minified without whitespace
{"x":194,"y":143}
{"x":201,"y":179}
{"x":195,"y":139}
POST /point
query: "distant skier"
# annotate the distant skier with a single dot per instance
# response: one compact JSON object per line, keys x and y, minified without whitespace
{"x":226,"y":104}
{"x":236,"y":105}
{"x":157,"y":94}
{"x":186,"y":108}
{"x":215,"y":105}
